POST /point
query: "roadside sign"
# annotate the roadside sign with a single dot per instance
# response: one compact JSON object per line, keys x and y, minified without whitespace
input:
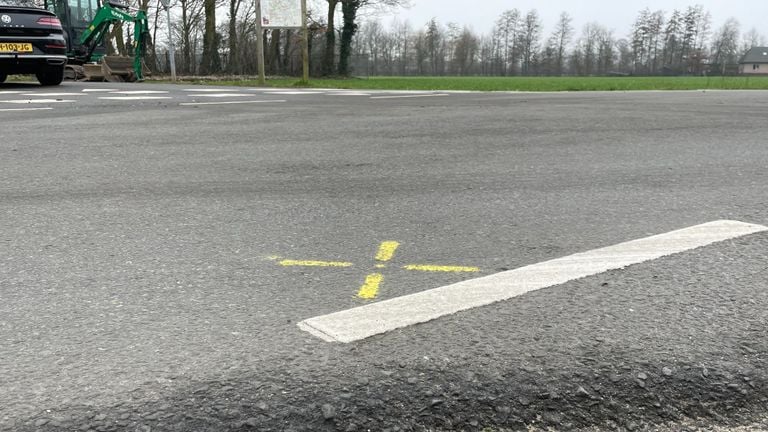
{"x":281,"y":13}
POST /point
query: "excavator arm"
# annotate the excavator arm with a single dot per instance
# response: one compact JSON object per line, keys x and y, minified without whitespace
{"x":109,"y":14}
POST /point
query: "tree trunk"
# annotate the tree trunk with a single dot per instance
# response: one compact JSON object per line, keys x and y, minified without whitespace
{"x":349,"y":9}
{"x":155,"y":66}
{"x":117,"y":35}
{"x":274,"y":52}
{"x":233,"y":65}
{"x":186,"y":39}
{"x":329,"y":56}
{"x":207,"y":65}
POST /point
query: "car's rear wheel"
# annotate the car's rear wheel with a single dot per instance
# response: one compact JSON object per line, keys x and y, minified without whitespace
{"x":3,"y":77}
{"x":51,"y":76}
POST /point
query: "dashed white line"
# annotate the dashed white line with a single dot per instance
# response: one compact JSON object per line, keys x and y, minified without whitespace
{"x":349,"y":94}
{"x":232,"y":102}
{"x":410,"y":96}
{"x":24,"y":109}
{"x":52,"y":94}
{"x":376,"y":318}
{"x":36,"y":101}
{"x":134,"y":98}
{"x":209,"y":90}
{"x":140,"y":92}
{"x":221,"y":95}
{"x":293,"y":92}
{"x":99,"y":90}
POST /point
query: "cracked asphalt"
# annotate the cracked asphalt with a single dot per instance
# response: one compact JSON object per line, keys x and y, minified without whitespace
{"x":139,"y":289}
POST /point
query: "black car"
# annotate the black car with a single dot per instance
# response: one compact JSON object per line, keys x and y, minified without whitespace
{"x":31,"y":42}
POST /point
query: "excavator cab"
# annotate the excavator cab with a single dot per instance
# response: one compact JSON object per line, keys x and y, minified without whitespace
{"x":75,"y":17}
{"x":86,"y":23}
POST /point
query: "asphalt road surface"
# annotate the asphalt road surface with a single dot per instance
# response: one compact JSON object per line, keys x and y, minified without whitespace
{"x":159,"y":245}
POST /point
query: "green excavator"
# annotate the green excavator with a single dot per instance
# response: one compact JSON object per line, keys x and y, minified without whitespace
{"x":86,"y":23}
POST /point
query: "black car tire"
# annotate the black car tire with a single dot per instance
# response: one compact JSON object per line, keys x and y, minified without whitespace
{"x":3,"y":77}
{"x":51,"y":76}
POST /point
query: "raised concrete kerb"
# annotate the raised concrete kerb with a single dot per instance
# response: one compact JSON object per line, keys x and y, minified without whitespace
{"x":365,"y":321}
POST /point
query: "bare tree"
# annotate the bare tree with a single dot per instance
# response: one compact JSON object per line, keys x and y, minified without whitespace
{"x":725,"y":47}
{"x":210,"y":62}
{"x":435,"y":45}
{"x":752,"y":39}
{"x":530,"y":41}
{"x":507,"y":36}
{"x":349,"y":9}
{"x":191,"y":15}
{"x":560,"y":40}
{"x":329,"y":53}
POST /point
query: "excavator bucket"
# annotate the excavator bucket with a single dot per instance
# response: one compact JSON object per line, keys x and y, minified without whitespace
{"x":92,"y":72}
{"x":118,"y":69}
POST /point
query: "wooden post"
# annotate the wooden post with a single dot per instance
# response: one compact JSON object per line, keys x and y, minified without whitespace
{"x":305,"y":43}
{"x":260,"y":45}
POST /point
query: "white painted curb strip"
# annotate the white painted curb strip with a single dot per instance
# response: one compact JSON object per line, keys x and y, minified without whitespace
{"x":376,"y":318}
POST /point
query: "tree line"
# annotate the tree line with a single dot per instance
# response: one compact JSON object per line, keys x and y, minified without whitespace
{"x":219,"y":37}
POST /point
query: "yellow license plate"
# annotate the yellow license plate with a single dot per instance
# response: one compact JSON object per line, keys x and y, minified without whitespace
{"x":15,"y":47}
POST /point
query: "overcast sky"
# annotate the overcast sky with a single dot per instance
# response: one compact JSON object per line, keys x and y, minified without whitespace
{"x":616,"y":15}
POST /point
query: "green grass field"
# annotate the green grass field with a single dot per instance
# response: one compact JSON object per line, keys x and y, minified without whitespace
{"x":535,"y":84}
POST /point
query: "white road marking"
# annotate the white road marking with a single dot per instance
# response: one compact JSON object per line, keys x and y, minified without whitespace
{"x":349,"y":94}
{"x":140,"y":92}
{"x":31,"y":101}
{"x":24,"y":109}
{"x":221,"y":95}
{"x":52,"y":94}
{"x":208,"y":90}
{"x":231,"y":102}
{"x":99,"y":90}
{"x":293,"y":92}
{"x":376,"y":318}
{"x":9,"y":92}
{"x":410,"y":96}
{"x":134,"y":98}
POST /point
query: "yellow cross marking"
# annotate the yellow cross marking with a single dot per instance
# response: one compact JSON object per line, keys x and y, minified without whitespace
{"x":386,"y":252}
{"x":294,"y":263}
{"x":370,"y":288}
{"x":447,"y":269}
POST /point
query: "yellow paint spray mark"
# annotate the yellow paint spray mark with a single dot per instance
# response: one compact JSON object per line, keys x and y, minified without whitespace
{"x":370,"y":288}
{"x":387,"y":250}
{"x":295,"y":263}
{"x":446,"y":269}
{"x":381,"y":266}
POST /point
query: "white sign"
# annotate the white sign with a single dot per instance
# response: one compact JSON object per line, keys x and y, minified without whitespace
{"x":281,"y":13}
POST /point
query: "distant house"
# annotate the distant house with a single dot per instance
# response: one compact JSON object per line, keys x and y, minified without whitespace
{"x":755,"y":62}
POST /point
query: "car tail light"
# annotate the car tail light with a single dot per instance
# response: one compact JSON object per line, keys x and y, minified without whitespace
{"x":51,"y":21}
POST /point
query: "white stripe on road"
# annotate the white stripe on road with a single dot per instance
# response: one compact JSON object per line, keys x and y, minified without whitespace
{"x":349,"y":94}
{"x":140,"y":92}
{"x":31,"y":101}
{"x":134,"y":98}
{"x":293,"y":92}
{"x":376,"y":318}
{"x":410,"y":96}
{"x":52,"y":94}
{"x":24,"y":109}
{"x":231,"y":102}
{"x":208,"y":90}
{"x":99,"y":90}
{"x":221,"y":95}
